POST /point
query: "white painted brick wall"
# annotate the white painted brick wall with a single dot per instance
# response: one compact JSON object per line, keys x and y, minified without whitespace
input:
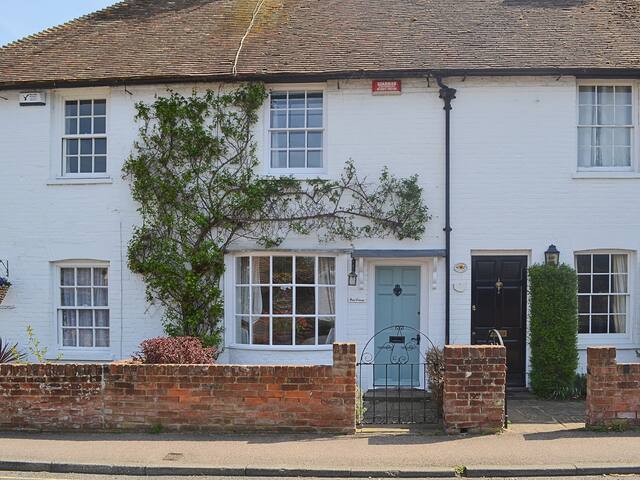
{"x":513,"y":161}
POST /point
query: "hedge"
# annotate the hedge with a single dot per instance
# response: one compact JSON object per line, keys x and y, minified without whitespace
{"x":553,"y":334}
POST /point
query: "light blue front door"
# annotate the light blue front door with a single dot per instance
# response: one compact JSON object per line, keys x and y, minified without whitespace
{"x":397,"y":360}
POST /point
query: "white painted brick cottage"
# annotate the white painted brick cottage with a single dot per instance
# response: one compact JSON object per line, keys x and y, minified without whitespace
{"x":543,"y":149}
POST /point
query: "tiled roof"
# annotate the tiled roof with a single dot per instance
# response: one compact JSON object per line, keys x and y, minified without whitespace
{"x":170,"y":40}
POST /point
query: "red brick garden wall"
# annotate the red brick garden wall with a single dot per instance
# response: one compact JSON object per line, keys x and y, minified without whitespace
{"x":474,"y":388}
{"x":124,"y":397}
{"x":613,"y":390}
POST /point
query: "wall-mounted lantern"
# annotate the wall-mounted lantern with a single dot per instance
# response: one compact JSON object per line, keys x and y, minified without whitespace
{"x":353,"y":276}
{"x":552,"y":256}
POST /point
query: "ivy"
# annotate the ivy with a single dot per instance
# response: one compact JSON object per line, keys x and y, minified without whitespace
{"x":196,"y":178}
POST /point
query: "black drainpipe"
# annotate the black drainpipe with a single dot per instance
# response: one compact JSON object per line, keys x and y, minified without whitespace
{"x":447,"y":94}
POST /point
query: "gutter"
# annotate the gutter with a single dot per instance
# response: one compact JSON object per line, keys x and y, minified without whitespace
{"x":290,"y":77}
{"x":447,"y":94}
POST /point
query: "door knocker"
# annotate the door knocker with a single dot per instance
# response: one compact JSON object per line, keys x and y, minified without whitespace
{"x":397,"y":290}
{"x":499,"y":286}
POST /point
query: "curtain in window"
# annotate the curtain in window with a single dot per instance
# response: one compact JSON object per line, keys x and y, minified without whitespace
{"x":618,"y":285}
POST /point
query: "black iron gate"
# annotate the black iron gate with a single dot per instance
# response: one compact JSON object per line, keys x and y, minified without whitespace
{"x":393,"y":378}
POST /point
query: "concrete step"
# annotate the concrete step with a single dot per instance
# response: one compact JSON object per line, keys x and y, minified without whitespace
{"x":382,"y":394}
{"x":404,"y":406}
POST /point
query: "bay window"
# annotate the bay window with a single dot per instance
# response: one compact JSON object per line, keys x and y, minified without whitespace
{"x":285,"y":300}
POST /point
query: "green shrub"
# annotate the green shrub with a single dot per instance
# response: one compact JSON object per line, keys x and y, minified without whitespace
{"x":435,"y":374}
{"x":578,"y":391}
{"x":554,"y":329}
{"x":360,"y":408}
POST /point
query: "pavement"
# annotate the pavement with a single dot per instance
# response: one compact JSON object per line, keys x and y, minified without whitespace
{"x":545,"y":438}
{"x":58,"y":476}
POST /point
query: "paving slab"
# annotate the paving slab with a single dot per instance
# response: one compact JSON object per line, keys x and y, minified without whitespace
{"x":544,"y":438}
{"x":366,"y":451}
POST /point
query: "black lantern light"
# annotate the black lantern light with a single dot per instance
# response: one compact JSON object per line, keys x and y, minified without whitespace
{"x":552,"y":256}
{"x":353,"y":276}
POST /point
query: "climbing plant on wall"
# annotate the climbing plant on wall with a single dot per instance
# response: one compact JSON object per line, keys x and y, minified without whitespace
{"x":554,"y":328}
{"x":197,"y":180}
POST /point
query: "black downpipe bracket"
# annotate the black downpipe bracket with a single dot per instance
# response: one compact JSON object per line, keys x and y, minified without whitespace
{"x":447,"y":94}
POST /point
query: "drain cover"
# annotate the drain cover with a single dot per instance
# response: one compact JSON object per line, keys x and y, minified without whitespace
{"x":172,"y":457}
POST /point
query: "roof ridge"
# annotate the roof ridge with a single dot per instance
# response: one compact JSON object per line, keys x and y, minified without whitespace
{"x":62,"y":26}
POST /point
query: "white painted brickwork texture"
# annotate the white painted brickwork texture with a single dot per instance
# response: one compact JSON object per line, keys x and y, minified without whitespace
{"x":513,"y":190}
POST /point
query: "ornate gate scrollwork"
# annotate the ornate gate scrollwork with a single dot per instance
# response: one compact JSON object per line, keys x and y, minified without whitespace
{"x":393,"y":379}
{"x":397,"y":345}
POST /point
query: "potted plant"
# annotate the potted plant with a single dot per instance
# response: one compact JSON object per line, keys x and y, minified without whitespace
{"x":4,"y":288}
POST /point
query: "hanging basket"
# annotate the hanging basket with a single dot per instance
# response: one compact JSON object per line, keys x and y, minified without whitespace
{"x":3,"y":292}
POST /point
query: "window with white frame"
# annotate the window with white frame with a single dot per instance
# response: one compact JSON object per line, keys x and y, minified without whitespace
{"x":605,"y":127}
{"x":285,"y":300}
{"x":603,"y":292}
{"x":84,"y":143}
{"x":296,"y":130}
{"x":83,"y":306}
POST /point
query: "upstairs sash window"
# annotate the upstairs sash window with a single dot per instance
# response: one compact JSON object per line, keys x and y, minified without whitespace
{"x":605,"y":127}
{"x":296,"y":132}
{"x":84,"y":143}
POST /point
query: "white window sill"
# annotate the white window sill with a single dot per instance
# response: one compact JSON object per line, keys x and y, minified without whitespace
{"x":80,"y":181}
{"x":81,"y":355}
{"x":297,"y":175}
{"x":606,"y":174}
{"x":605,"y":340}
{"x":282,"y":348}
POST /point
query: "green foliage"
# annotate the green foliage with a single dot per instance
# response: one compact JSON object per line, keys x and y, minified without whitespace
{"x":156,"y":429}
{"x":360,"y":408}
{"x":616,"y":425}
{"x":197,"y":180}
{"x":460,"y":470}
{"x":10,"y":353}
{"x":434,"y":364}
{"x":36,"y":349}
{"x":554,"y":329}
{"x":576,"y":391}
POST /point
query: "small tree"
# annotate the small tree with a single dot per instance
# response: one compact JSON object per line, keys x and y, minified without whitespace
{"x":554,"y":328}
{"x":197,"y":180}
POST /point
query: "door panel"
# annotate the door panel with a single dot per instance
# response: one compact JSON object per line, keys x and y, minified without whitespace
{"x":485,"y":306}
{"x":498,"y":297}
{"x":397,"y":302}
{"x":511,"y":304}
{"x":485,"y":270}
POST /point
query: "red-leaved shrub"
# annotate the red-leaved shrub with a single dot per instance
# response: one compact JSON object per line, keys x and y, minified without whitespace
{"x":175,"y":350}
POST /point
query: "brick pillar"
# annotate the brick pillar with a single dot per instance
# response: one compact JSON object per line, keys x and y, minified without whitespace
{"x":613,"y":390}
{"x":474,"y":388}
{"x":344,"y":359}
{"x":344,"y":373}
